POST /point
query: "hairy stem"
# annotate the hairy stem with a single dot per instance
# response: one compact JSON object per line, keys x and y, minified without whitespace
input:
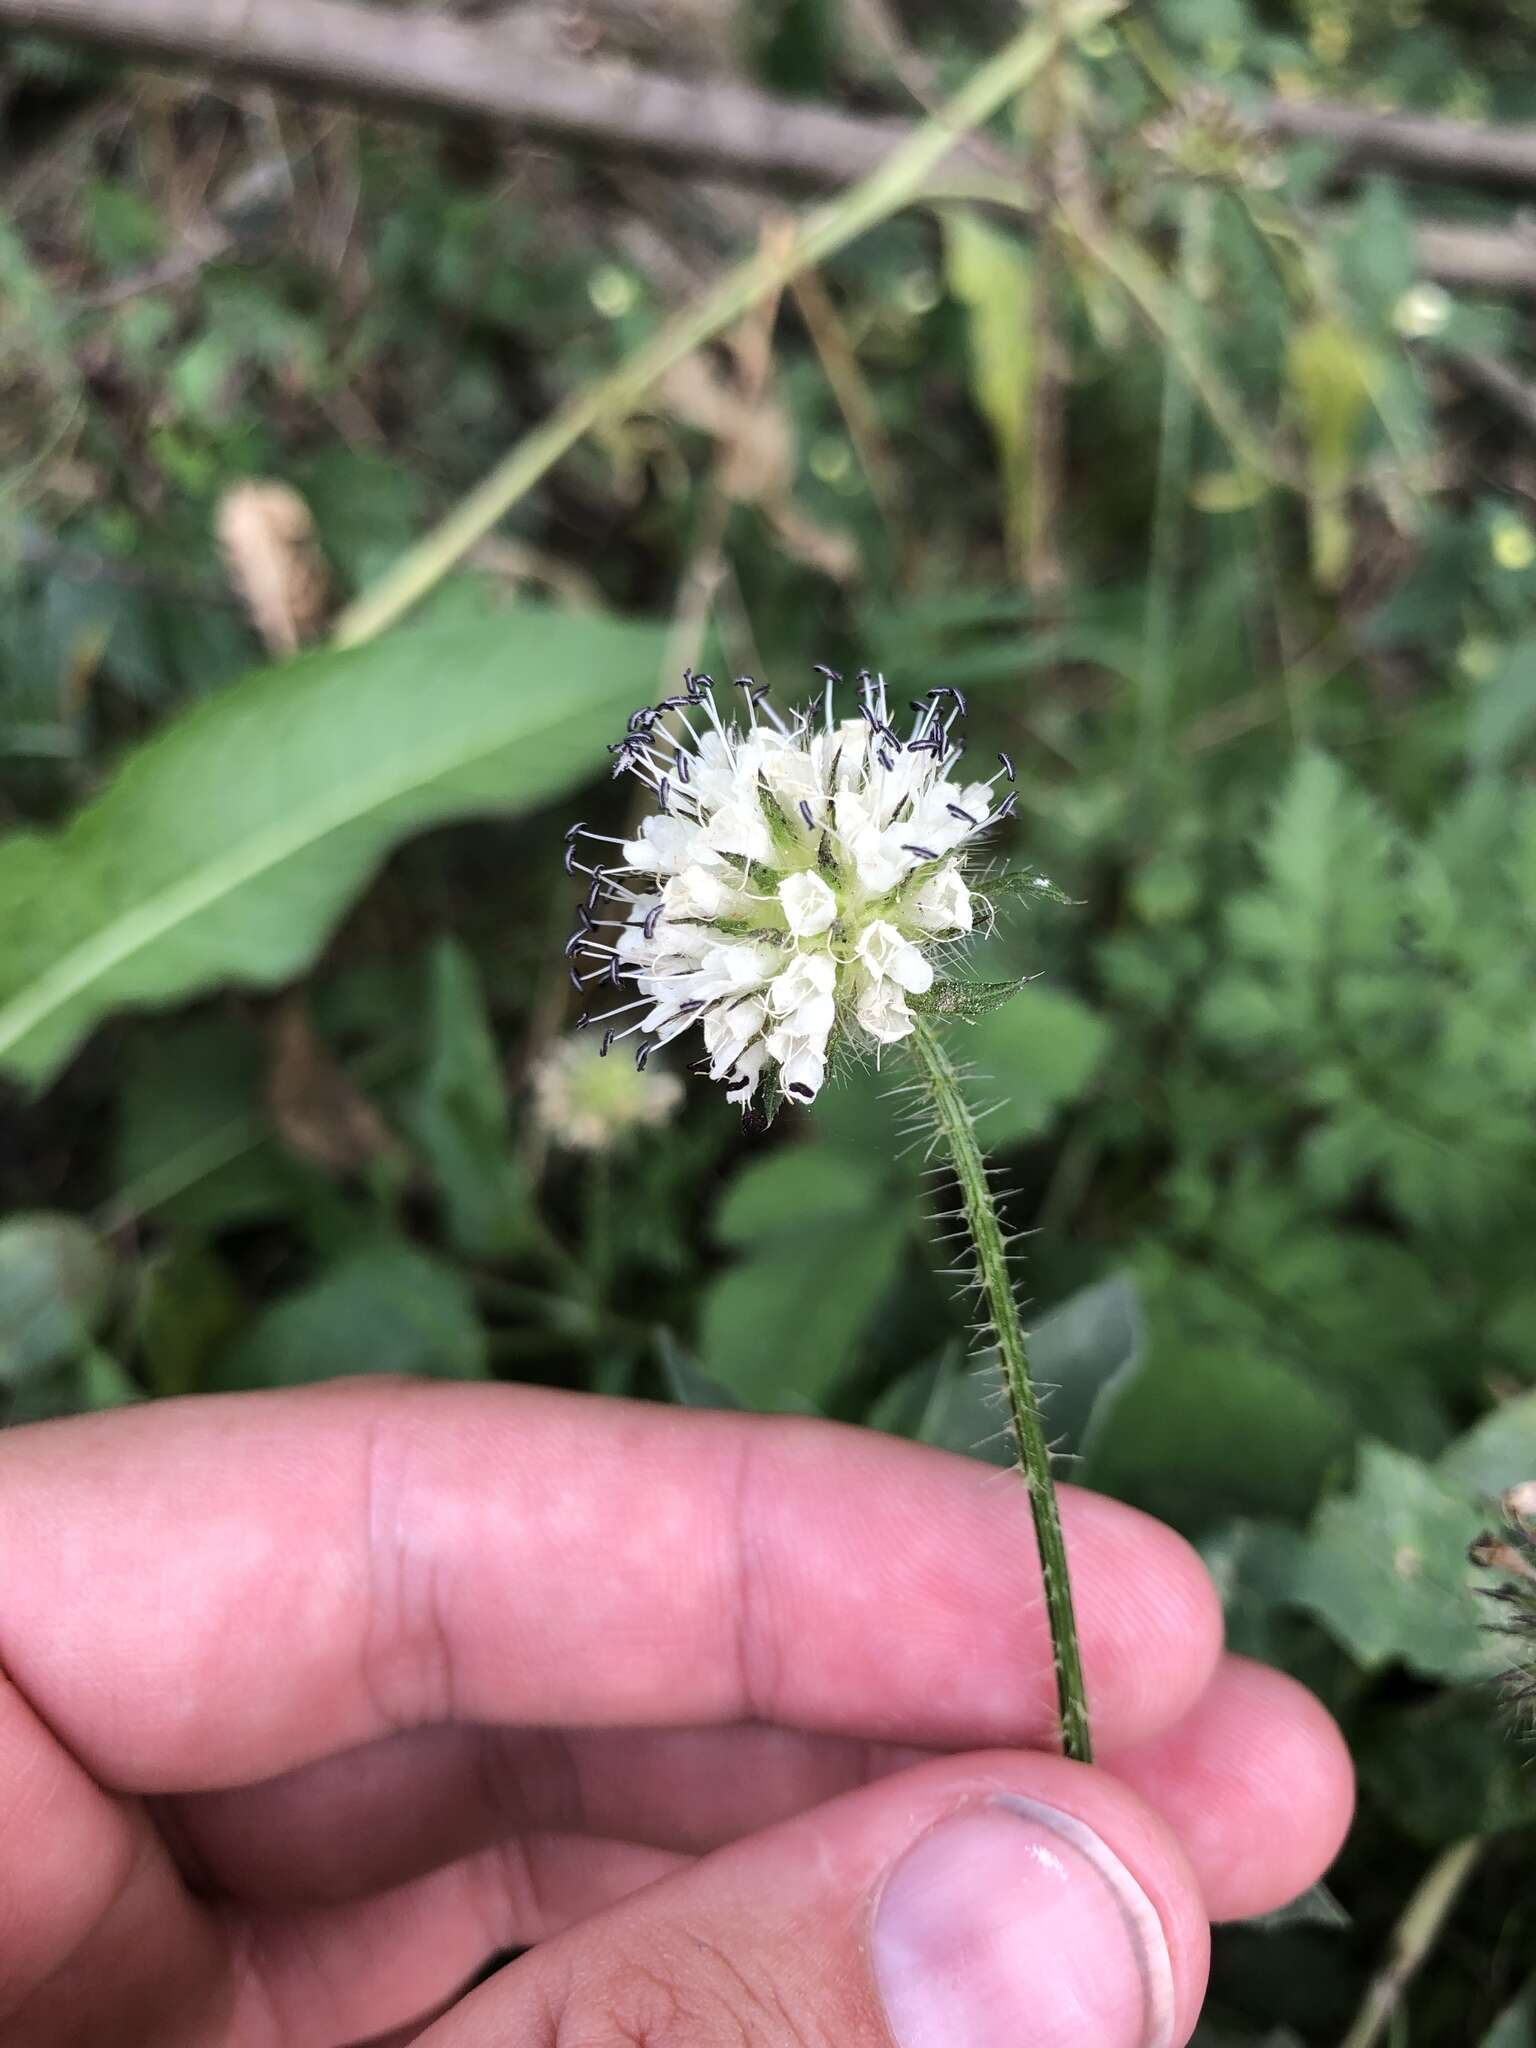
{"x":958,"y":1129}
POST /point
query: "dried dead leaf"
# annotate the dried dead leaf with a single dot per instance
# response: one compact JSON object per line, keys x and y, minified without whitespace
{"x":318,"y":1111}
{"x":273,"y":555}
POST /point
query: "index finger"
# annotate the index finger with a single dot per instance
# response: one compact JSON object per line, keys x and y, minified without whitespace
{"x":212,"y":1591}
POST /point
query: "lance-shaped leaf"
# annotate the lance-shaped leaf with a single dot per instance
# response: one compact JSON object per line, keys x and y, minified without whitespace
{"x":968,"y":999}
{"x":226,"y":847}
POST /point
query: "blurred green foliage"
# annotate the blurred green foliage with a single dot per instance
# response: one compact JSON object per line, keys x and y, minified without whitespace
{"x":280,"y":946}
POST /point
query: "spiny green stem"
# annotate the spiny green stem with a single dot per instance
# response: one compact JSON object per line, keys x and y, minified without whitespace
{"x":958,"y":1128}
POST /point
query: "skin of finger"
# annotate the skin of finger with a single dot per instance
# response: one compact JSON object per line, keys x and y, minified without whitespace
{"x":356,"y":1971}
{"x":768,"y":1940}
{"x":349,"y":1561}
{"x":94,"y":1920}
{"x":1255,"y":1781}
{"x":394,"y":1809}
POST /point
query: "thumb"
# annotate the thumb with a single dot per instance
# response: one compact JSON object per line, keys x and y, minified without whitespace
{"x":974,"y":1902}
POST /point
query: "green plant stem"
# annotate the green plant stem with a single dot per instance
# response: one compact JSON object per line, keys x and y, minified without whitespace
{"x":1422,"y":1923}
{"x":1174,"y":456}
{"x":903,"y":177}
{"x":958,"y":1129}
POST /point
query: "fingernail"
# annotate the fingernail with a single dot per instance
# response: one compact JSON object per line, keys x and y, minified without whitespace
{"x":1013,"y":1922}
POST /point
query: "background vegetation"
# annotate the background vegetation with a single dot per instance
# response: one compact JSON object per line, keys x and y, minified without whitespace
{"x":1197,"y":452}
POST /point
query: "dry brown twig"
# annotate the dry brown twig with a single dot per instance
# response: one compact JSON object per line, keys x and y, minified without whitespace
{"x":431,"y":62}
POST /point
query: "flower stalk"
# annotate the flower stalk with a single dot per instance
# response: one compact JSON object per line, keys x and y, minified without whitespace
{"x":957,"y":1129}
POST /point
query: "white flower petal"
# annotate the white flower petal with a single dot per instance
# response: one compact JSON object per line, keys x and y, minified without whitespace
{"x":942,"y":903}
{"x":810,"y":908}
{"x":802,"y":1075}
{"x":889,"y":956}
{"x":882,"y":1010}
{"x":697,"y":893}
{"x":741,"y":1082}
{"x":739,"y":827}
{"x":808,"y":976}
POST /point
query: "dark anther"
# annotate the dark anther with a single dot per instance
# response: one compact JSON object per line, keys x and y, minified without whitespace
{"x":652,"y":918}
{"x":748,"y":683}
{"x":608,"y":1038}
{"x":759,"y":693}
{"x":575,"y":983}
{"x":805,"y":812}
{"x":583,"y":1020}
{"x":662,"y":793}
{"x":955,"y":811}
{"x":640,"y":721}
{"x":683,"y":773}
{"x":867,"y":711}
{"x":801,"y":1093}
{"x":586,"y":918}
{"x":693,"y":1003}
{"x":699,"y":685}
{"x":599,"y":878}
{"x":1007,"y":807}
{"x":885,"y":760}
{"x":613,"y":972}
{"x":570,"y":857}
{"x":642,"y":1054}
{"x":576,"y":830}
{"x":1007,"y":767}
{"x":577,"y":938}
{"x":832,"y":675}
{"x":923,"y":852}
{"x":894,"y":738}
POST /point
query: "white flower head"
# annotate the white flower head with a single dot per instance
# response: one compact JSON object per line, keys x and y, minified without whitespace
{"x":590,"y":1107}
{"x":791,"y":885}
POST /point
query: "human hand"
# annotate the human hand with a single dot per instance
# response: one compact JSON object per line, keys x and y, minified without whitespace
{"x":311,"y":1703}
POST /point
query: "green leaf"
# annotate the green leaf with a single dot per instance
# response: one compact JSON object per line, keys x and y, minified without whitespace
{"x":387,"y":1308}
{"x":193,"y":1145}
{"x":1498,"y":1452}
{"x":796,"y":1188}
{"x":1084,"y":1353}
{"x":1315,"y":1907}
{"x":992,"y":275}
{"x":688,"y":1384}
{"x":1333,"y":375}
{"x":1032,"y":1058}
{"x":780,"y":1328}
{"x":1386,"y":1572}
{"x":1448,"y":1766}
{"x":1202,"y":1430}
{"x":1515,"y":2027}
{"x":55,"y":1282}
{"x":459,"y":1115}
{"x":228,"y":845}
{"x":1502,"y":720}
{"x":968,"y":999}
{"x":189,"y":1308}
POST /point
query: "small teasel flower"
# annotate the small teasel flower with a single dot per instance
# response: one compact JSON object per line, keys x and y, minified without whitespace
{"x":1509,"y":1553}
{"x":587,"y":1106}
{"x":788,"y":891}
{"x":1204,"y":136}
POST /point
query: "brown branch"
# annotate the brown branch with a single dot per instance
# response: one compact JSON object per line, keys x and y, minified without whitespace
{"x":433,"y":63}
{"x":1499,"y":158}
